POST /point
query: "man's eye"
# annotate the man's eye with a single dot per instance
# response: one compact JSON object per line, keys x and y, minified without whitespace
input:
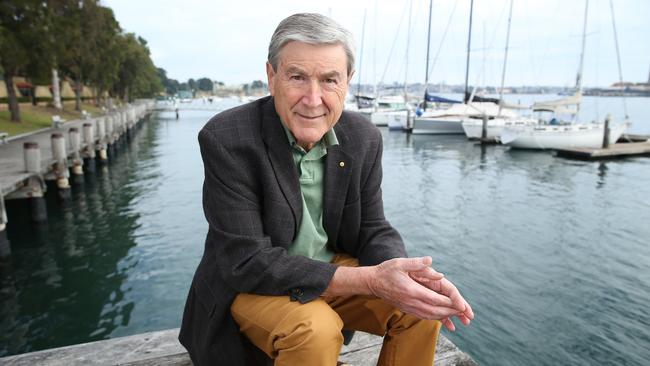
{"x":296,"y":77}
{"x":331,"y":81}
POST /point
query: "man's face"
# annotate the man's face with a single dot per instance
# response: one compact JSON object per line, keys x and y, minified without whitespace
{"x":309,"y":89}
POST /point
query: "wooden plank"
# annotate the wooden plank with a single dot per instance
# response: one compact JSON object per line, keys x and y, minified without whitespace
{"x":614,"y":151}
{"x":163,"y":348}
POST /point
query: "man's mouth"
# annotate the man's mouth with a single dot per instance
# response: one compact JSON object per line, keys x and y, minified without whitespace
{"x":315,"y":116}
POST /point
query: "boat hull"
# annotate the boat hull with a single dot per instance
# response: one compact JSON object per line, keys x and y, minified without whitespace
{"x":559,"y":137}
{"x":473,"y":128}
{"x":438,"y":126}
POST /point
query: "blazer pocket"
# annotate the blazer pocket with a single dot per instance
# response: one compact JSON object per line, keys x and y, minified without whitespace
{"x":205,"y":295}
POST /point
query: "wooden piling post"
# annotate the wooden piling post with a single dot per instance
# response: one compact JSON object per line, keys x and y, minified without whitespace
{"x":77,"y":164}
{"x":38,"y":208}
{"x":89,"y":150}
{"x":110,"y":126}
{"x":606,"y":132}
{"x":5,"y":247}
{"x":101,"y":138}
{"x":60,"y":170}
{"x":484,"y":129}
{"x":409,"y":128}
{"x":32,"y":154}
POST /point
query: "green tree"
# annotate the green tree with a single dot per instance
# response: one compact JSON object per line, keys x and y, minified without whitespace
{"x":103,"y":69}
{"x":138,"y":76}
{"x":258,"y":84}
{"x":204,"y":84}
{"x":171,"y":85}
{"x":21,"y":44}
{"x":192,"y":84}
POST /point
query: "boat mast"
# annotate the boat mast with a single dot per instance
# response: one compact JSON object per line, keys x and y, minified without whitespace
{"x":426,"y":74}
{"x":505,"y":60}
{"x":469,"y":43}
{"x":618,"y":57}
{"x":582,"y":60}
{"x":406,"y":56}
{"x":363,"y":33}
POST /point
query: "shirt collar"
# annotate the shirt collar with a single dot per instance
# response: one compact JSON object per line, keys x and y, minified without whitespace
{"x":329,"y":139}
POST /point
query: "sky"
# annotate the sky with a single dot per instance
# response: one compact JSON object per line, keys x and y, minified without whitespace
{"x":227,"y":40}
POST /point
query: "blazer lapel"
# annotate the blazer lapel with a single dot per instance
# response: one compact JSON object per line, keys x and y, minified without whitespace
{"x":338,"y":171}
{"x":281,"y":159}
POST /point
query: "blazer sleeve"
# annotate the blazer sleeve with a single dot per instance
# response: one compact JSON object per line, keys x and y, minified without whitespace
{"x":246,"y":258}
{"x":378,"y":240}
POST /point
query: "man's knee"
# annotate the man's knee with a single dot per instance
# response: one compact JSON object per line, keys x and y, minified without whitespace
{"x":312,"y":325}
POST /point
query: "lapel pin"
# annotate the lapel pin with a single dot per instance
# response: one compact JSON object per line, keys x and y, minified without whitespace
{"x":341,"y":164}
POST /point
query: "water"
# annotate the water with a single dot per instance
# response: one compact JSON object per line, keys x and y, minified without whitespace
{"x":553,"y":254}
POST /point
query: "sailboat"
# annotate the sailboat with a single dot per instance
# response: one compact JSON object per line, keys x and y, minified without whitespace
{"x":448,"y":120}
{"x":473,"y":125}
{"x":558,"y":133}
{"x":387,"y":107}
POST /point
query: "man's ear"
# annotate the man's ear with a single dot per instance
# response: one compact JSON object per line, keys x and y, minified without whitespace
{"x":270,"y":75}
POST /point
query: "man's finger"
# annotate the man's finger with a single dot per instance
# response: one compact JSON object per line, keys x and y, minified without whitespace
{"x":414,"y":264}
{"x":463,"y":319}
{"x":448,"y":324}
{"x":426,"y":274}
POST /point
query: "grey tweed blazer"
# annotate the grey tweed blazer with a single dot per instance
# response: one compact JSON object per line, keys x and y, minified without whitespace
{"x":251,"y":200}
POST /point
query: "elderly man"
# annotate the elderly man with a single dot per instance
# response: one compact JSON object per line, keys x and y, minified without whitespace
{"x":298,"y":248}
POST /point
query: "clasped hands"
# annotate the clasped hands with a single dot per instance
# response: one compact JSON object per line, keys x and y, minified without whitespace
{"x":411,"y":285}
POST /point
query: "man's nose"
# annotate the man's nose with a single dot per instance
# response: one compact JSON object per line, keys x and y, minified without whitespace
{"x":313,"y":96}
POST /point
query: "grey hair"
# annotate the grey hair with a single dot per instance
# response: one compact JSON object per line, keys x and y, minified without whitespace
{"x":313,"y":29}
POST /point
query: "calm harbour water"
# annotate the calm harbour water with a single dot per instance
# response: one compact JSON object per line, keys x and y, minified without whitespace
{"x":553,"y":254}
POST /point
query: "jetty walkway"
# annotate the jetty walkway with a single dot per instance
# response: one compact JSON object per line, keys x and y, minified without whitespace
{"x":59,"y":155}
{"x":163,"y":348}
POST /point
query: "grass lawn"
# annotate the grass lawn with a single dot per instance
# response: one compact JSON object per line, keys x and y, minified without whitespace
{"x":37,"y":117}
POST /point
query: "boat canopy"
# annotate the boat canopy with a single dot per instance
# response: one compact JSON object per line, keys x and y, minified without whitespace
{"x":477,"y":98}
{"x":436,"y":99}
{"x":560,"y":106}
{"x":364,"y":101}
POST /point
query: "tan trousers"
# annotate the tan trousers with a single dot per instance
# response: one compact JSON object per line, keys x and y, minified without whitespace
{"x":292,"y":333}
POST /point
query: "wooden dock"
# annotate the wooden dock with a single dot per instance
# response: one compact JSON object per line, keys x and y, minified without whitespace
{"x":163,"y":348}
{"x":618,"y":150}
{"x":12,"y":162}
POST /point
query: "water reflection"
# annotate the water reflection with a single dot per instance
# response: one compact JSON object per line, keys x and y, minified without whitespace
{"x":65,"y":281}
{"x":602,"y":172}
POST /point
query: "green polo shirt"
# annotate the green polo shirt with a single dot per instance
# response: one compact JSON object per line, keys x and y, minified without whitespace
{"x":311,"y":240}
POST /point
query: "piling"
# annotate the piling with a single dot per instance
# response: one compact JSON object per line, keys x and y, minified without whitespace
{"x":606,"y":132}
{"x":5,"y":247}
{"x":76,"y":170}
{"x":89,"y":150}
{"x":110,"y":142}
{"x":101,"y":138}
{"x":60,"y":168}
{"x":409,"y":127}
{"x":34,"y":191}
{"x":484,"y":128}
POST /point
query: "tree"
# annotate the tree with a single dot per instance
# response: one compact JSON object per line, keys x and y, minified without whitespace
{"x":258,"y":84}
{"x":104,"y":69}
{"x":21,"y":44}
{"x":192,"y":84}
{"x":171,"y":85}
{"x":204,"y":84}
{"x":138,"y":77}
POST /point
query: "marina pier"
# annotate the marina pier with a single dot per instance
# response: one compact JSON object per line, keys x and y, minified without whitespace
{"x":57,"y":156}
{"x":163,"y":348}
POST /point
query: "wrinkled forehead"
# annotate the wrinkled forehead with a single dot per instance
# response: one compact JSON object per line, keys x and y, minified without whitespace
{"x":328,"y":57}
